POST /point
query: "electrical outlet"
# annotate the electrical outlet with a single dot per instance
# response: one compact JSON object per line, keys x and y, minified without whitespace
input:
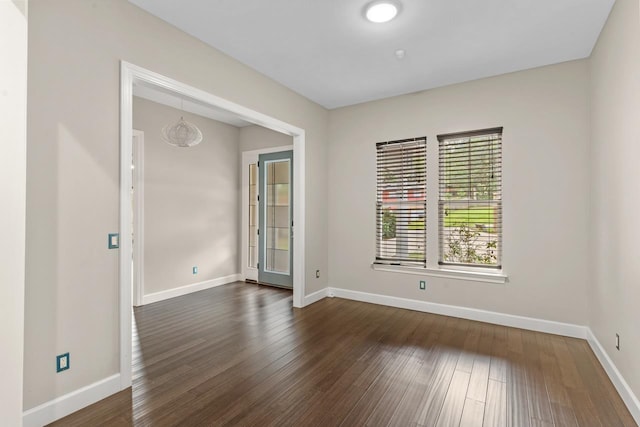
{"x":195,"y":270}
{"x":317,"y":274}
{"x":423,"y":285}
{"x":114,"y":241}
{"x":62,"y":362}
{"x":617,"y":342}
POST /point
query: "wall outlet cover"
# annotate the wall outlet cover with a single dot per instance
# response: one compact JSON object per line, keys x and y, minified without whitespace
{"x":62,"y":362}
{"x":423,"y":285}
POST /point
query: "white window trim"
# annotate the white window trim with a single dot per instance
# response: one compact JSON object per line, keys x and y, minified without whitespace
{"x":434,"y":188}
{"x":468,"y":273}
{"x":475,"y":274}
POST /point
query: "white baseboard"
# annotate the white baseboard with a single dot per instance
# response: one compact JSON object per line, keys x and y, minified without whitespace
{"x":617,"y":379}
{"x":529,"y":323}
{"x":316,"y":296}
{"x":187,"y":289}
{"x":64,"y":405}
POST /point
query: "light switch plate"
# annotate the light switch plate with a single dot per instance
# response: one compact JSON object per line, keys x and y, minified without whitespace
{"x":114,"y":240}
{"x":62,"y":362}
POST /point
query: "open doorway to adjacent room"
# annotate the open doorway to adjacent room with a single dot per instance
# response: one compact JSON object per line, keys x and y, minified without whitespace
{"x":221,"y":211}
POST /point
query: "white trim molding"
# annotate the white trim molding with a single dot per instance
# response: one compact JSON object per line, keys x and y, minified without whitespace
{"x":467,"y":274}
{"x":511,"y":320}
{"x":138,"y":217}
{"x":316,"y":296}
{"x":188,"y":289}
{"x":627,"y":395}
{"x":69,"y":403}
{"x":529,"y":323}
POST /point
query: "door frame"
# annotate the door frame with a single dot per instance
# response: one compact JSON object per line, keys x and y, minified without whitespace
{"x":138,"y":219}
{"x":131,"y":74}
{"x":249,"y":157}
{"x":266,"y":276}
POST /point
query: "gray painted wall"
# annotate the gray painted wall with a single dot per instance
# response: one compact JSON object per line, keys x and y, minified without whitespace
{"x":614,"y":292}
{"x":544,"y":113}
{"x":190,"y":200}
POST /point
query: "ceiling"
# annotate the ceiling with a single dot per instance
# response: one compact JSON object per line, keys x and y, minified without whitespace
{"x":328,"y":52}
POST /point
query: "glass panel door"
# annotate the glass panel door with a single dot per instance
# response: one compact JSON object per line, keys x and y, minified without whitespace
{"x":276,"y":219}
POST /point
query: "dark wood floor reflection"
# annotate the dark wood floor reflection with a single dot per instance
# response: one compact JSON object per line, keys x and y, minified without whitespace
{"x":240,"y":355}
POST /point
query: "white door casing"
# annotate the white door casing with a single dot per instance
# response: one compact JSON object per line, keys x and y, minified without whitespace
{"x":138,"y":216}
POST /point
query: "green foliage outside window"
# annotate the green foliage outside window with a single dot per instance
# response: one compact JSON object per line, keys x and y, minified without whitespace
{"x":388,"y":224}
{"x":463,"y":247}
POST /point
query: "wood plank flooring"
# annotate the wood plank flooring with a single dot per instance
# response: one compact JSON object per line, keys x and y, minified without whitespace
{"x":240,"y":355}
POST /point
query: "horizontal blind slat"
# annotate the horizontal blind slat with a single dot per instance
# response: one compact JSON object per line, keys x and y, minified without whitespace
{"x":470,"y":193}
{"x":401,"y":202}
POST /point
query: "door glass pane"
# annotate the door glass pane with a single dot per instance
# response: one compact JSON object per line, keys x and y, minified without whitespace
{"x":278,"y":216}
{"x":253,"y":216}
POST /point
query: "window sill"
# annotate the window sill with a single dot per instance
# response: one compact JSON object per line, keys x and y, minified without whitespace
{"x":476,"y":276}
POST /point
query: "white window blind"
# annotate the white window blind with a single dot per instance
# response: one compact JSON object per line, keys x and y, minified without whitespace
{"x":470,"y":200}
{"x":401,"y":202}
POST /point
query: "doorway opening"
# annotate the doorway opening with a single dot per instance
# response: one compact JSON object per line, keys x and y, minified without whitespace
{"x":132,"y":75}
{"x":268,"y":227}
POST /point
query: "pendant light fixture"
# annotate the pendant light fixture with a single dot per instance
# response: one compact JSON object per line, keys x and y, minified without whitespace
{"x":182,"y":133}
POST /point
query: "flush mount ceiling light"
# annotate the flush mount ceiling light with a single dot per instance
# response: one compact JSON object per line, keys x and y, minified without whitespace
{"x":381,"y":11}
{"x":182,"y":134}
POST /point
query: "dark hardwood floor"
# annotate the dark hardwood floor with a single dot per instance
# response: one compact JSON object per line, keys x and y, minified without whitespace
{"x":240,"y":355}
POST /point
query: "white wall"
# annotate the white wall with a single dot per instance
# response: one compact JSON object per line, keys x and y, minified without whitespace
{"x":544,"y":112}
{"x":13,"y":114}
{"x":75,"y":48}
{"x":615,"y":183}
{"x":191,"y":200}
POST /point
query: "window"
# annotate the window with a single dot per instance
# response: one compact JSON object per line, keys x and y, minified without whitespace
{"x":470,"y":201}
{"x":401,"y":202}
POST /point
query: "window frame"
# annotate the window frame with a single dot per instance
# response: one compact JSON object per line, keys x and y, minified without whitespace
{"x":405,"y":201}
{"x":459,"y":274}
{"x":498,"y":203}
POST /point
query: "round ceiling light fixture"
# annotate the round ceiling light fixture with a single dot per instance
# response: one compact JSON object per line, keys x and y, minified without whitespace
{"x":381,"y":11}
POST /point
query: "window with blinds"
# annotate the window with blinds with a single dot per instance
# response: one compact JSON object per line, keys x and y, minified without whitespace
{"x":470,"y":198}
{"x":401,"y":202}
